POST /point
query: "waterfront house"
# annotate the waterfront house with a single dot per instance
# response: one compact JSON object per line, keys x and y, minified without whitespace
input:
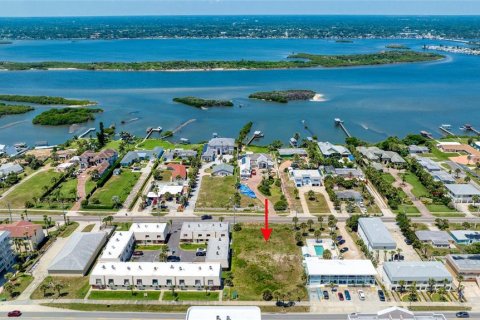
{"x":245,"y":167}
{"x":331,"y":150}
{"x":218,"y":147}
{"x":376,"y":154}
{"x":141,"y":155}
{"x":414,"y":149}
{"x":90,"y":158}
{"x":428,"y":164}
{"x":261,"y":161}
{"x":290,"y":152}
{"x":30,"y":234}
{"x":11,"y":151}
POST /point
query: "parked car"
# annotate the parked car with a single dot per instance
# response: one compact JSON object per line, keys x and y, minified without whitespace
{"x":206,"y":217}
{"x":341,"y":242}
{"x":14,"y":313}
{"x":201,"y":252}
{"x":347,"y":295}
{"x":339,"y":238}
{"x":173,"y":259}
{"x":408,"y":241}
{"x":462,"y":314}
{"x":381,"y":295}
{"x":340,"y":296}
{"x":334,"y":289}
{"x":343,"y":250}
{"x":138,"y":253}
{"x":361,"y":295}
{"x":325,"y":295}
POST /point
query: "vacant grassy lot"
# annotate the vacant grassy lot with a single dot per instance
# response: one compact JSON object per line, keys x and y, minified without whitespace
{"x":124,"y":295}
{"x":418,"y":189}
{"x":409,"y":210}
{"x":73,"y":288}
{"x":120,"y":307}
{"x":191,"y":296}
{"x":26,"y":191}
{"x":119,"y":186}
{"x":290,"y":189}
{"x":439,"y":155}
{"x":152,"y":143}
{"x":443,"y":209}
{"x":68,"y":189}
{"x":20,"y":283}
{"x":318,"y":205}
{"x":257,"y":149}
{"x":218,"y":192}
{"x":258,"y":265}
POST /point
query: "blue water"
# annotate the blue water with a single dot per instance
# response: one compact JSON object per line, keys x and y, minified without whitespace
{"x":374,"y":102}
{"x":318,"y":250}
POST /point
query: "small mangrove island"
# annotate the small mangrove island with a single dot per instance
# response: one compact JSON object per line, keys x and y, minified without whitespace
{"x":397,"y":46}
{"x":45,"y":100}
{"x":203,"y":103}
{"x":65,"y":116}
{"x":283,"y":96}
{"x":300,"y":60}
{"x":14,"y":109}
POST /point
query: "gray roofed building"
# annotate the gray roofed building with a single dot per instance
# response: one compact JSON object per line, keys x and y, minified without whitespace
{"x":418,"y":149}
{"x":443,"y":177}
{"x":396,"y":313}
{"x":218,"y":146}
{"x":7,"y":168}
{"x":463,"y":193}
{"x":135,"y":156}
{"x":428,"y":164}
{"x":376,"y":154}
{"x":204,"y":231}
{"x":288,"y":152}
{"x":435,"y":238}
{"x":328,"y":149}
{"x":218,"y":250}
{"x":466,"y":265}
{"x":349,"y":173}
{"x":78,"y":254}
{"x":415,"y":271}
{"x":349,"y":195}
{"x":465,"y":236}
{"x":222,"y":170}
{"x":377,"y":166}
{"x":375,"y":234}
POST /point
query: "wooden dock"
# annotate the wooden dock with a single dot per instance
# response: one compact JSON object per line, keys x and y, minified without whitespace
{"x":339,"y":123}
{"x":426,"y":134}
{"x":469,"y":127}
{"x":256,"y":135}
{"x":305,"y":126}
{"x":152,"y":130}
{"x":180,"y":127}
{"x":85,"y":133}
{"x":446,"y":131}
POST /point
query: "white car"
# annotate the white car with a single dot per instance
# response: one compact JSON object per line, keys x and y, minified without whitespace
{"x":361,"y":295}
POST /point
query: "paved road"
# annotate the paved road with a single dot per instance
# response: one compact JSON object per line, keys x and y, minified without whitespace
{"x":175,"y":316}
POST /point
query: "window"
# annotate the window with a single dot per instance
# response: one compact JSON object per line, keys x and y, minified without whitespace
{"x":147,"y":236}
{"x":199,"y":234}
{"x":210,"y":283}
{"x":222,"y":235}
{"x":98,"y":282}
{"x":110,"y":282}
{"x":155,"y":282}
{"x":208,"y":235}
{"x":169,"y":282}
{"x":139,"y":282}
{"x":126,"y":282}
{"x":198,"y":283}
{"x":182,"y":282}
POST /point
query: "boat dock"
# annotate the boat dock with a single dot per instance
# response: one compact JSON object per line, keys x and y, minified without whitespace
{"x":426,"y":134}
{"x":86,"y":132}
{"x":305,"y":126}
{"x":469,"y":127}
{"x":256,"y":135}
{"x":151,"y":130}
{"x":339,"y":123}
{"x":445,"y":128}
{"x":180,"y":127}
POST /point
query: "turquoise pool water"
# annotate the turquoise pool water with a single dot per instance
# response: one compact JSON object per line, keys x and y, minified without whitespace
{"x":318,"y":250}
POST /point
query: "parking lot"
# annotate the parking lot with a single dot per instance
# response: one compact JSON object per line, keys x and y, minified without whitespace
{"x":316,"y":295}
{"x":353,"y":251}
{"x":407,"y":251}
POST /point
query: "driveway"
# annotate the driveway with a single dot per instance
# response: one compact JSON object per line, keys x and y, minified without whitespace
{"x":174,"y":246}
{"x":353,"y":252}
{"x":407,"y":251}
{"x":136,"y":188}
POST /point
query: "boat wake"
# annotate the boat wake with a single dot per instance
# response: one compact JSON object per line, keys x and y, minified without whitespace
{"x":12,"y":124}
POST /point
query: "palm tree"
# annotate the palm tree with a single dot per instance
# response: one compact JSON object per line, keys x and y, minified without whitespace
{"x":221,"y":219}
{"x":44,"y":287}
{"x":402,"y":285}
{"x":310,"y":223}
{"x":399,"y":251}
{"x":276,"y":295}
{"x":58,"y":287}
{"x":392,"y":253}
{"x":9,"y":287}
{"x":311,"y":195}
{"x":412,"y":292}
{"x":317,"y":234}
{"x":457,"y":172}
{"x":431,"y":285}
{"x":295,"y":221}
{"x":303,"y":226}
{"x":320,"y":220}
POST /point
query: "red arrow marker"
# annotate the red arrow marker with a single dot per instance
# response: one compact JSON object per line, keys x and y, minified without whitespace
{"x":266,"y":231}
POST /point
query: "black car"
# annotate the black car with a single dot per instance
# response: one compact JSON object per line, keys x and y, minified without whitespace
{"x":341,"y":242}
{"x":339,"y":238}
{"x":462,"y":314}
{"x":381,"y":295}
{"x":325,"y":295}
{"x":138,"y":253}
{"x":408,"y":241}
{"x":206,"y":217}
{"x":343,"y":250}
{"x":173,"y":259}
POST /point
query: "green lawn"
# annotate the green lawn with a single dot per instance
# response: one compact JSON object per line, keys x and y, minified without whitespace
{"x":290,"y":187}
{"x":123,"y":295}
{"x":218,"y":192}
{"x":388,"y":177}
{"x":192,"y":246}
{"x":191,"y":296}
{"x":89,"y":185}
{"x":20,"y":283}
{"x":152,"y":143}
{"x":276,"y":194}
{"x":418,"y":189}
{"x":439,"y":155}
{"x":68,"y":230}
{"x":409,"y":210}
{"x":257,"y":149}
{"x":149,"y":247}
{"x":122,"y":226}
{"x":88,"y":228}
{"x":73,"y":288}
{"x":319,"y":205}
{"x":448,"y":214}
{"x":68,"y":189}
{"x":34,"y":187}
{"x":120,"y":186}
{"x":120,"y":307}
{"x":440,"y":208}
{"x":258,"y":265}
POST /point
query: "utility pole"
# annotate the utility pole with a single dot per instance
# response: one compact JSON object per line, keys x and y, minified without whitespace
{"x":10,"y":213}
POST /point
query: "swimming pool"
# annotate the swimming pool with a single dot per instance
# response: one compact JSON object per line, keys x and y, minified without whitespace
{"x":318,"y":250}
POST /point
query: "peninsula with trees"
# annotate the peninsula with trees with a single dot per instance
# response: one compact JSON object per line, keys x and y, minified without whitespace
{"x":283,"y":96}
{"x":203,"y":103}
{"x":299,"y":60}
{"x":45,"y":100}
{"x":65,"y":116}
{"x":14,"y":109}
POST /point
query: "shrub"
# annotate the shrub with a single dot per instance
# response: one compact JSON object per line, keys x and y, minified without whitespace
{"x":280,"y":205}
{"x":267,"y":295}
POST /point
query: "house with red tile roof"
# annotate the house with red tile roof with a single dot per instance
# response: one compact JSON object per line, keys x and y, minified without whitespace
{"x":30,"y":233}
{"x":179,"y":171}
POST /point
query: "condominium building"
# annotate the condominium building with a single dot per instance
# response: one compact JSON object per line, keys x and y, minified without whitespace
{"x":342,"y":272}
{"x":119,"y":247}
{"x":150,"y":233}
{"x":465,"y":265}
{"x":156,"y":275}
{"x":218,"y":250}
{"x":7,"y":257}
{"x":375,"y":235}
{"x":204,"y":231}
{"x":30,"y":234}
{"x":418,"y":272}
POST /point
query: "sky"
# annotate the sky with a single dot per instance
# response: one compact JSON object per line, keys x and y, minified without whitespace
{"x":42,"y":8}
